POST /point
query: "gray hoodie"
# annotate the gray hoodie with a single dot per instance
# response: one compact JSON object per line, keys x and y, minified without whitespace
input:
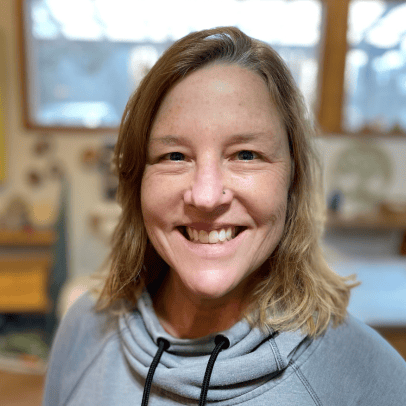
{"x":99,"y":359}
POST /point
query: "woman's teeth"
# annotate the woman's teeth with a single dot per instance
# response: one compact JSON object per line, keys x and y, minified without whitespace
{"x":212,"y":237}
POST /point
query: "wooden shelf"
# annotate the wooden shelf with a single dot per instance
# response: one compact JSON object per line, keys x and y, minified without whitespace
{"x":383,"y":221}
{"x":27,"y":238}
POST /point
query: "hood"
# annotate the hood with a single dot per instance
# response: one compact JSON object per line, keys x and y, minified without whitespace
{"x":252,"y":358}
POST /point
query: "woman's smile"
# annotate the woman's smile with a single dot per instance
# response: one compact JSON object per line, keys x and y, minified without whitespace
{"x":209,"y":245}
{"x":214,"y":190}
{"x":210,"y":234}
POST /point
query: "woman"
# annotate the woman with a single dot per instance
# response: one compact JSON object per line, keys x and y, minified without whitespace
{"x":218,"y":291}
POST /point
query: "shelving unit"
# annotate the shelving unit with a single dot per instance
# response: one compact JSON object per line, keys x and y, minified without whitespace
{"x":382,"y":221}
{"x":41,"y":238}
{"x":25,"y":263}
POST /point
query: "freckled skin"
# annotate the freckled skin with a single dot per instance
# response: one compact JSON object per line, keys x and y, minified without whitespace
{"x":209,"y":117}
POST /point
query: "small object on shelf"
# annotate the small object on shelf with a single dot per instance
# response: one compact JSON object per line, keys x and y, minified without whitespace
{"x":23,"y":353}
{"x":43,"y":215}
{"x":56,"y":171}
{"x":109,"y":172}
{"x":43,"y":145}
{"x":34,"y":178}
{"x":16,"y":214}
{"x":90,"y":158}
{"x":397,"y":129}
{"x":335,"y":201}
{"x":362,"y":174}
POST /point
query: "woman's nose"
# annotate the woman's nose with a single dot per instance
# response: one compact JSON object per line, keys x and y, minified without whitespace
{"x":207,"y":190}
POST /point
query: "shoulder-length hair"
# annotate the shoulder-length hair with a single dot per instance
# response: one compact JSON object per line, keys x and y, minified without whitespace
{"x":299,"y":290}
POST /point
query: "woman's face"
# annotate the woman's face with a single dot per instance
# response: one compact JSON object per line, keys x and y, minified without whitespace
{"x":214,"y":190}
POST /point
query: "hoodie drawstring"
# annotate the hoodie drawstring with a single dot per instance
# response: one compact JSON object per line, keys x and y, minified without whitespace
{"x":221,"y":342}
{"x":162,"y":346}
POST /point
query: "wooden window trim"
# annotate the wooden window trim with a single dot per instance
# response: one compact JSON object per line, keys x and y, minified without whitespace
{"x":332,"y":66}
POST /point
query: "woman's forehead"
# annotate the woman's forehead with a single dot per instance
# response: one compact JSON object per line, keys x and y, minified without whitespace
{"x":218,"y":92}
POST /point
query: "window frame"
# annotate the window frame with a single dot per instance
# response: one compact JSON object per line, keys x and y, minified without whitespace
{"x":330,"y":81}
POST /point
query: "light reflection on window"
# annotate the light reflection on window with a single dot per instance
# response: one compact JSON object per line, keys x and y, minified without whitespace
{"x":376,"y":67}
{"x":89,"y":55}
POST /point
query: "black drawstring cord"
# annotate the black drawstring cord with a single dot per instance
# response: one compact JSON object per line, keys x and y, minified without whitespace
{"x":221,"y":343}
{"x":162,"y":346}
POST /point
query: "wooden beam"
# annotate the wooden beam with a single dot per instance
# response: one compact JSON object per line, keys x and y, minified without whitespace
{"x":334,"y":49}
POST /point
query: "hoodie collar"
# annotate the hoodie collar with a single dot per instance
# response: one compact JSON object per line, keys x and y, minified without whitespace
{"x":253,"y":357}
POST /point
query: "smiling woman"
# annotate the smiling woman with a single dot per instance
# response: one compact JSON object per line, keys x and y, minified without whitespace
{"x":216,"y":116}
{"x":217,"y":250}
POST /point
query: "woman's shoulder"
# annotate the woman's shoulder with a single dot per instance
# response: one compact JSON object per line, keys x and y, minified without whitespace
{"x":357,"y":358}
{"x":82,"y":315}
{"x":353,"y":335}
{"x":83,"y":334}
{"x":355,"y":344}
{"x":84,"y":326}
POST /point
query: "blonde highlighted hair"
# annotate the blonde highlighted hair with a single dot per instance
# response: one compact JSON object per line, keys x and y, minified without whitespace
{"x":298,"y":290}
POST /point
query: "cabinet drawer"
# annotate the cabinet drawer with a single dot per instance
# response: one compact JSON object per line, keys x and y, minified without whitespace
{"x":24,"y":284}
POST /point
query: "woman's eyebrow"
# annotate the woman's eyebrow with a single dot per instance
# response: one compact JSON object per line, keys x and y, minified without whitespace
{"x":266,"y":139}
{"x":232,"y":140}
{"x":170,"y":140}
{"x":241,"y":138}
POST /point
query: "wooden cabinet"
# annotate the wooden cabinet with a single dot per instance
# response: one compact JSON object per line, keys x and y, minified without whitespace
{"x":396,"y":336}
{"x":23,"y":284}
{"x":25,"y":264}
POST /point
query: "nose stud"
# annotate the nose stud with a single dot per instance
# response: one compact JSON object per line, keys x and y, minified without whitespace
{"x":224,"y":192}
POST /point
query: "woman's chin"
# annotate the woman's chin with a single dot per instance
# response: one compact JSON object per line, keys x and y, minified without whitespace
{"x":209,"y":293}
{"x":212,"y":288}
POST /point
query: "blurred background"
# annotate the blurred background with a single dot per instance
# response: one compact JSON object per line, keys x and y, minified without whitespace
{"x":67,"y":69}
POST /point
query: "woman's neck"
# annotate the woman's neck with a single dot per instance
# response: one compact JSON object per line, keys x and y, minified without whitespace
{"x":184,"y":315}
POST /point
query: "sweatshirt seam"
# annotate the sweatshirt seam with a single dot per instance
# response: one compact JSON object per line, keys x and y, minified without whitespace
{"x":68,"y":397}
{"x":306,"y":384}
{"x":274,"y":347}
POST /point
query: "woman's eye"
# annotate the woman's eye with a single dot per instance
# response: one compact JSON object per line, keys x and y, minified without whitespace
{"x":246,"y":155}
{"x":175,"y":156}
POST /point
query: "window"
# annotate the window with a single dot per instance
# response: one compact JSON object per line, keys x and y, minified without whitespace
{"x":375,"y":74}
{"x":83,"y":58}
{"x":361,"y":89}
